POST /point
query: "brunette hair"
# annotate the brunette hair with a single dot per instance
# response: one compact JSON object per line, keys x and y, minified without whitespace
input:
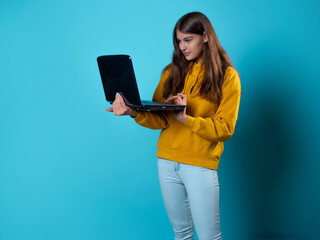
{"x":215,"y":59}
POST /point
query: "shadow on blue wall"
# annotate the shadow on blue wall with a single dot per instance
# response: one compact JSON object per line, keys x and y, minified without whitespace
{"x":270,"y":150}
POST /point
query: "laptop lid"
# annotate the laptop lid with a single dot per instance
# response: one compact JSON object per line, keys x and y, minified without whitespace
{"x":117,"y":75}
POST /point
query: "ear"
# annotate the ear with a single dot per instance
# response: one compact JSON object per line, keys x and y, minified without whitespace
{"x":205,"y":37}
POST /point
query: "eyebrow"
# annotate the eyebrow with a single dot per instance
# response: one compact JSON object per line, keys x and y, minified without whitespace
{"x":185,"y":38}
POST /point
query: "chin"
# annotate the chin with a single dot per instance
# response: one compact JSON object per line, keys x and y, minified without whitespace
{"x":189,"y":58}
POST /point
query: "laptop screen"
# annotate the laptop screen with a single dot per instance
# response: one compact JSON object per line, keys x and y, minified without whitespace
{"x":117,"y":75}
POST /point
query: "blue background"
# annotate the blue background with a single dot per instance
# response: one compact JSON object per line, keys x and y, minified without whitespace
{"x":70,"y":170}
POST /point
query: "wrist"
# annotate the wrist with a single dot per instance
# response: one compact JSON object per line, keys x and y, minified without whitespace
{"x":183,"y":119}
{"x":133,"y":113}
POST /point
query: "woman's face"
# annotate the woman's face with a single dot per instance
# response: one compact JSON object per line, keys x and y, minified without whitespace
{"x":191,"y":45}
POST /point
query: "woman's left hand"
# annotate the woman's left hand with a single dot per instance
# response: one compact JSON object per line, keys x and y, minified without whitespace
{"x":179,"y":99}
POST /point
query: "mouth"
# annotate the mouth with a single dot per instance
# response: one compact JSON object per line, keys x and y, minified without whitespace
{"x":186,"y":54}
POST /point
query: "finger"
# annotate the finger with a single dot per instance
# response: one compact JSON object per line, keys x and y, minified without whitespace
{"x":116,"y":106}
{"x":122,"y":103}
{"x":121,"y":107}
{"x":171,"y":98}
{"x":178,"y":101}
{"x":109,"y":109}
{"x":178,"y":98}
{"x":183,"y":96}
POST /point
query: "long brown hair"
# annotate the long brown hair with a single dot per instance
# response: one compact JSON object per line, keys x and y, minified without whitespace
{"x":215,"y":59}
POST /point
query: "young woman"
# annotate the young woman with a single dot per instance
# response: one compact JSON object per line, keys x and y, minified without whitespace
{"x":201,"y":76}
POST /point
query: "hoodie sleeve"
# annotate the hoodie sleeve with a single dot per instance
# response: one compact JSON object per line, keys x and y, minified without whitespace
{"x":221,"y":126}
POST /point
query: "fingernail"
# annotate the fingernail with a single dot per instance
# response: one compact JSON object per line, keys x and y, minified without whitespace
{"x":117,"y":94}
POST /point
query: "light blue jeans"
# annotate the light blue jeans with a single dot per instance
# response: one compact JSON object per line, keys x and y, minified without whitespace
{"x":191,"y":197}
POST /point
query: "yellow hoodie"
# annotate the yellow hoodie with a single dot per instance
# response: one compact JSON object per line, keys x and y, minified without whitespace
{"x":198,"y":141}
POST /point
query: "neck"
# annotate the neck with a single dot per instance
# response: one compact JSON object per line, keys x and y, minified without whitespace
{"x":199,"y":59}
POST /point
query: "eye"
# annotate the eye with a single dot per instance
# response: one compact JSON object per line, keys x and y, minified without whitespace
{"x":188,"y":40}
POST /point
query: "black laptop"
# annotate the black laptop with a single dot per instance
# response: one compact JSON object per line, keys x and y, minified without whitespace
{"x":118,"y":76}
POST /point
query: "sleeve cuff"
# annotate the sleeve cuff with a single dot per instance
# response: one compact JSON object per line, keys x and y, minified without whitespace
{"x":190,"y":122}
{"x":138,"y":117}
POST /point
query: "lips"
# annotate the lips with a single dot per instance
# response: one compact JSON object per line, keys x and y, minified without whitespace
{"x":186,"y":54}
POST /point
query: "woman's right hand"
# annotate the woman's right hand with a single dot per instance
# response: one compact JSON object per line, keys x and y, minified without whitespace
{"x":119,"y":108}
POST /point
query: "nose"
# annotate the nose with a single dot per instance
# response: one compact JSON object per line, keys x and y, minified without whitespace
{"x":182,"y":46}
